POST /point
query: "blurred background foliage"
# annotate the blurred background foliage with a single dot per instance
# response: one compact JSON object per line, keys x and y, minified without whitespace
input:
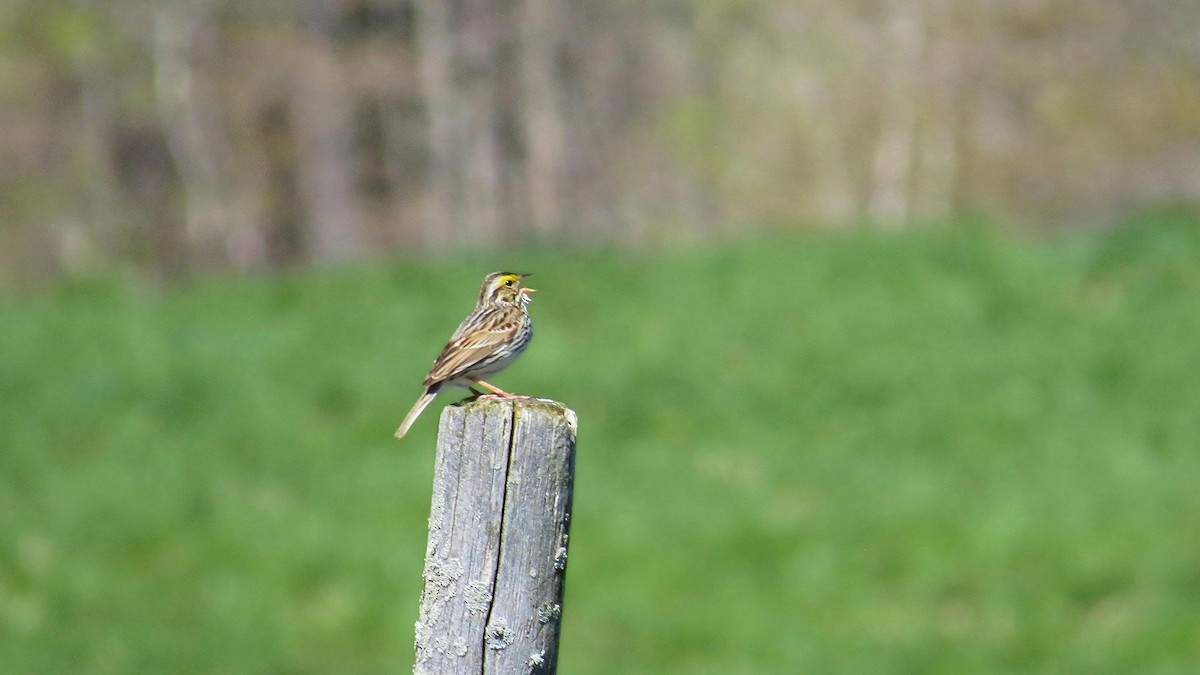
{"x":880,"y":318}
{"x":946,"y":451}
{"x":190,"y":134}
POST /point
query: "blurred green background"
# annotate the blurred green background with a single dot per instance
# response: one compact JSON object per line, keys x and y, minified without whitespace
{"x":880,"y":318}
{"x":941,"y":452}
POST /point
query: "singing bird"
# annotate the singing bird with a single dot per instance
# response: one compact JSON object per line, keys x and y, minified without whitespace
{"x":487,"y":341}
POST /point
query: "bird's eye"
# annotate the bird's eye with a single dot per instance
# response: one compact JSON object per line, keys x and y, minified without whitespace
{"x":508,"y":282}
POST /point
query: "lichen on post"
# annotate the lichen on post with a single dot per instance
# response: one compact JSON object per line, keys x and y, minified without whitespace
{"x":499,"y":527}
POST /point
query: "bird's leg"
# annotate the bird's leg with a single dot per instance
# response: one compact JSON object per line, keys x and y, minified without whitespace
{"x":475,"y":393}
{"x":495,"y":390}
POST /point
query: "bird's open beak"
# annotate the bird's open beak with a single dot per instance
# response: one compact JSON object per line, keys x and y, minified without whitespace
{"x":528,"y":291}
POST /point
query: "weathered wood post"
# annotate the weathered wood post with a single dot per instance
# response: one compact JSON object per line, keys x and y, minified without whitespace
{"x":498,"y":529}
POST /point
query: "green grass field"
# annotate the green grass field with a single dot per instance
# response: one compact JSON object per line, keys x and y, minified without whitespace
{"x":944,"y":452}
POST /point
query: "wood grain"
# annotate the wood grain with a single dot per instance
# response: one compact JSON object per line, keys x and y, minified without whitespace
{"x":499,"y":528}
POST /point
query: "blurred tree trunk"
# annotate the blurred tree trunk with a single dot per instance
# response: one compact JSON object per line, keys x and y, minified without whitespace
{"x":933,"y":195}
{"x":101,"y":209}
{"x":322,"y":117}
{"x":835,"y":202}
{"x":435,"y":39}
{"x":893,"y":164}
{"x":599,"y":104}
{"x":545,"y":133}
{"x":283,"y":237}
{"x":460,"y":55}
{"x":186,"y":123}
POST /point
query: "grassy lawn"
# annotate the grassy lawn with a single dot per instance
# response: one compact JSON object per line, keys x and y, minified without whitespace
{"x":943,"y":452}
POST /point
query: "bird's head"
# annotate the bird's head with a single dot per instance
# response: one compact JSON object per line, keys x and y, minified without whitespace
{"x":505,"y":288}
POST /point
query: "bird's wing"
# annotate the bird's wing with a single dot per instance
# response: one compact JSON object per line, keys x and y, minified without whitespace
{"x":476,"y":339}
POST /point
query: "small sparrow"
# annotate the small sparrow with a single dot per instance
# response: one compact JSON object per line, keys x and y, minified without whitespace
{"x":487,"y":341}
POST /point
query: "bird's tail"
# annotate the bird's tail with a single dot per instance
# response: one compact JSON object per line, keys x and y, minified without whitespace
{"x":417,"y":409}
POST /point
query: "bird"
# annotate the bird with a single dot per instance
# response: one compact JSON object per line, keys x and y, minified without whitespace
{"x":487,"y":341}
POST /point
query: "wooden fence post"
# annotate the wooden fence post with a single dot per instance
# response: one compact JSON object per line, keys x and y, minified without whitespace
{"x":498,"y":528}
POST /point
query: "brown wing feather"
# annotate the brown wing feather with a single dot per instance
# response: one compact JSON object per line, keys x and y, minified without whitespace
{"x":475,"y":340}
